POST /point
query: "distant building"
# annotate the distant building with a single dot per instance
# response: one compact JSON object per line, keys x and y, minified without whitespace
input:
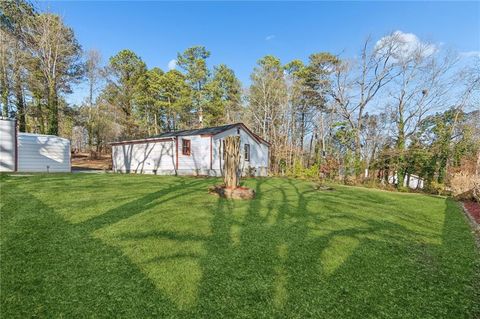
{"x":27,"y":152}
{"x":190,"y":152}
{"x":414,"y":181}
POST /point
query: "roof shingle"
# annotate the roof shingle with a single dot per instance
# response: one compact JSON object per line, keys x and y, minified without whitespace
{"x":201,"y":131}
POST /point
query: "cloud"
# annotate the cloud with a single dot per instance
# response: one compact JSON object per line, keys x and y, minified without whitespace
{"x":405,"y":45}
{"x":172,"y":64}
{"x":470,"y":54}
{"x":270,"y":37}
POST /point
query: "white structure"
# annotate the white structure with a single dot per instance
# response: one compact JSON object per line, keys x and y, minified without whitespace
{"x":414,"y":181}
{"x":190,"y":152}
{"x":43,"y":153}
{"x":32,"y":152}
{"x":8,"y":145}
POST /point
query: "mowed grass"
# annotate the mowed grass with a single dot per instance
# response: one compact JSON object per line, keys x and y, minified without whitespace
{"x":129,"y":246}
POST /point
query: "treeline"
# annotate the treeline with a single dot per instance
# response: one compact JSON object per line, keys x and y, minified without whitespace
{"x":403,"y":107}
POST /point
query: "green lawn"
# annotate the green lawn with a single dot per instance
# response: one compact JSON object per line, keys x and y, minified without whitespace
{"x":109,"y":245}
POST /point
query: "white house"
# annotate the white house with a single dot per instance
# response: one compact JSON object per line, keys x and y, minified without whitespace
{"x":190,"y":152}
{"x":413,"y":181}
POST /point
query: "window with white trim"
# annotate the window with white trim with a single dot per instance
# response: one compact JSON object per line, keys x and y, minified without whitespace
{"x":246,"y":152}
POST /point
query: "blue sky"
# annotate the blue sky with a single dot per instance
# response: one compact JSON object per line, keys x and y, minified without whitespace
{"x":238,"y":34}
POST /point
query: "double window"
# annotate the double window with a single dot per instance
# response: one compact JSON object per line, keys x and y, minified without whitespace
{"x":186,"y":147}
{"x":246,"y":153}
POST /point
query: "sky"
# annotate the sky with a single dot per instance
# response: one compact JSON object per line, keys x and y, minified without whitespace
{"x":240,"y":33}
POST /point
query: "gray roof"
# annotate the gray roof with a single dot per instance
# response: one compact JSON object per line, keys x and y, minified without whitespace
{"x":201,"y":131}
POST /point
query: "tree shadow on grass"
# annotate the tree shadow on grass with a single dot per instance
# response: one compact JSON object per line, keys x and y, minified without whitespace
{"x":283,"y":269}
{"x":140,"y":205}
{"x":291,"y":252}
{"x":63,"y":273}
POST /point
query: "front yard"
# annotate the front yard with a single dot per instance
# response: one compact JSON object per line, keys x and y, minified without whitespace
{"x":109,"y":245}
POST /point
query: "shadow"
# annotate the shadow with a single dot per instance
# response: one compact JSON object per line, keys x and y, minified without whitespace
{"x":290,"y":259}
{"x":65,"y":272}
{"x":292,"y":252}
{"x":139,"y":205}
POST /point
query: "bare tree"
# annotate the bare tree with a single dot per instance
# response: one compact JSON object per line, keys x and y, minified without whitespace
{"x":93,"y":75}
{"x":419,"y":89}
{"x":356,"y":84}
{"x":268,"y":100}
{"x":55,"y":48}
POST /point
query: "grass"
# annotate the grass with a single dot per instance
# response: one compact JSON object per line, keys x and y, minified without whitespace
{"x":108,"y":245}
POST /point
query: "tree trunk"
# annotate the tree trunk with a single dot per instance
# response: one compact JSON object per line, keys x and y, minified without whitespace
{"x":20,"y":109}
{"x":314,"y":135}
{"x":4,"y":100}
{"x":53,"y":111}
{"x":231,"y":165}
{"x":302,"y":132}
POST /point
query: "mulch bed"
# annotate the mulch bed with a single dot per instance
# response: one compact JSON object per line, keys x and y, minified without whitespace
{"x":473,"y":209}
{"x":233,"y":193}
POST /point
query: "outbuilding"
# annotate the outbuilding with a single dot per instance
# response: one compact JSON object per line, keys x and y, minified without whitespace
{"x":27,"y":152}
{"x":190,"y":152}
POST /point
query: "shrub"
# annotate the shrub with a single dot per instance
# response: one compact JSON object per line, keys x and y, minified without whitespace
{"x":436,"y":188}
{"x":298,"y":171}
{"x":463,"y":185}
{"x":349,"y":180}
{"x":251,"y":171}
{"x":312,"y":172}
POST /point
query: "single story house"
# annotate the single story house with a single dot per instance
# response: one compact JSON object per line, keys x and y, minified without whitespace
{"x":190,"y":152}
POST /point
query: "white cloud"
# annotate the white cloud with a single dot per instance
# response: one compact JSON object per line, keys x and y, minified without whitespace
{"x":470,"y":54}
{"x":172,"y":64}
{"x":270,"y":37}
{"x":405,"y":45}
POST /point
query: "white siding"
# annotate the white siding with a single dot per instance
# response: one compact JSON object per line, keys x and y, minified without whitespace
{"x":43,"y":153}
{"x":7,"y":145}
{"x":161,"y":157}
{"x":148,"y":157}
{"x":415,"y":182}
{"x":258,"y":152}
{"x":198,"y":162}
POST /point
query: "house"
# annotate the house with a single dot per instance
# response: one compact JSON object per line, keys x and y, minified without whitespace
{"x":27,"y":152}
{"x":190,"y":152}
{"x":410,"y":180}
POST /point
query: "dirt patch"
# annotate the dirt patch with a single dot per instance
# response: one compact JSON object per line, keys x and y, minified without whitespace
{"x":321,"y":187}
{"x":84,"y":162}
{"x":233,"y":193}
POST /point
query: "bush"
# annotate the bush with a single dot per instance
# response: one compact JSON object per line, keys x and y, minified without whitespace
{"x":436,"y":188}
{"x":349,"y":180}
{"x":312,"y":172}
{"x":463,"y":185}
{"x":403,"y":189}
{"x":298,"y":171}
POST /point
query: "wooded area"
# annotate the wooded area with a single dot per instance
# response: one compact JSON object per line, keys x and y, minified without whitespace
{"x":399,"y":106}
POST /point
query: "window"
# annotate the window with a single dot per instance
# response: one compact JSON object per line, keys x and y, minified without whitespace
{"x":185,"y":147}
{"x":247,"y":152}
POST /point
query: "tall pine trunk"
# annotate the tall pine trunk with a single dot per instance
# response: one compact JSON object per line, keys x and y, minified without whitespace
{"x":53,"y":110}
{"x":21,"y":116}
{"x":4,"y":99}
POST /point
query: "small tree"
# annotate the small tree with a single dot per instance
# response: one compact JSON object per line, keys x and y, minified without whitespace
{"x":231,"y":155}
